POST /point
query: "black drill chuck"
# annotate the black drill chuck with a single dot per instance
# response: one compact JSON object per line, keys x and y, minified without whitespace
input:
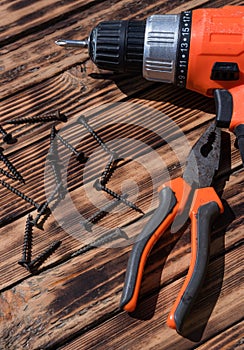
{"x":157,"y":48}
{"x":118,"y":45}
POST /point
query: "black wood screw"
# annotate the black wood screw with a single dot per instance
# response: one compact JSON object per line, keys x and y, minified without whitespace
{"x":7,"y":136}
{"x":98,"y":215}
{"x":109,"y":237}
{"x":10,"y":166}
{"x":79,"y":155}
{"x":45,"y":209}
{"x":53,"y":152}
{"x":39,"y":260}
{"x":99,"y":187}
{"x":106,"y":174}
{"x":55,"y":162}
{"x":44,"y":118}
{"x":82,"y":120}
{"x":21,"y":194}
{"x":6,"y":173}
{"x":27,"y":244}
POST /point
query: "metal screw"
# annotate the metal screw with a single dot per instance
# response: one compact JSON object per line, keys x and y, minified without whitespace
{"x":10,"y":166}
{"x":101,"y":213}
{"x":109,"y":237}
{"x":44,"y":209}
{"x":27,"y":244}
{"x":44,"y":118}
{"x":55,"y":163}
{"x":21,"y":195}
{"x":53,"y":152}
{"x":39,"y":260}
{"x":82,"y":120}
{"x":7,"y":136}
{"x":6,"y":173}
{"x":99,"y":187}
{"x":106,"y":174}
{"x":79,"y":155}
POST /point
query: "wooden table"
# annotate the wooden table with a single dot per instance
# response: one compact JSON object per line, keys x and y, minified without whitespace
{"x":73,"y":301}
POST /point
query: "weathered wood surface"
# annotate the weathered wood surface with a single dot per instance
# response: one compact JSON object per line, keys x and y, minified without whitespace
{"x":73,"y":302}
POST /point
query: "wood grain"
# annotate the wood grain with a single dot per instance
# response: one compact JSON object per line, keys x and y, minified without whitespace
{"x":61,"y":309}
{"x":230,"y":339}
{"x":32,"y":59}
{"x":99,"y":275}
{"x":73,"y":302}
{"x":126,"y":332}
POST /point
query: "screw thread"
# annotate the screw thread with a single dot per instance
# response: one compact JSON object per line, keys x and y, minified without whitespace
{"x":2,"y":131}
{"x":11,"y":167}
{"x":55,"y":162}
{"x":20,"y":194}
{"x":27,"y":243}
{"x":39,"y":260}
{"x":106,"y":209}
{"x":58,"y":179}
{"x":53,"y":143}
{"x":119,"y":197}
{"x":44,"y":207}
{"x":68,"y":145}
{"x":47,"y":117}
{"x":106,"y":174}
{"x":109,"y":237}
{"x":82,"y":120}
{"x":6,"y":173}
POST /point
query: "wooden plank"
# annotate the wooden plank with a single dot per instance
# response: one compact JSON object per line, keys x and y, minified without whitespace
{"x":150,"y":332}
{"x":12,"y":208}
{"x":21,"y":17}
{"x":61,"y":308}
{"x":35,"y":57}
{"x":79,"y":296}
{"x":230,"y":338}
{"x":33,"y":142}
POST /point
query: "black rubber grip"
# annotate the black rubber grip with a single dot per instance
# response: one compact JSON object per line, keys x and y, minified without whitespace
{"x":239,"y":132}
{"x":205,"y":216}
{"x":167,"y":203}
{"x":224,"y":107}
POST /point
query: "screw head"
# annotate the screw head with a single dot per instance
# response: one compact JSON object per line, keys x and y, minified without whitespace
{"x":81,"y":119}
{"x":87,"y":225}
{"x":9,"y":139}
{"x":97,"y":185}
{"x":23,"y":263}
{"x":60,"y":116}
{"x":81,"y":157}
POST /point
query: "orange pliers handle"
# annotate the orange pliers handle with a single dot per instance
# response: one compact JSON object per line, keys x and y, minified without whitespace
{"x":206,"y":205}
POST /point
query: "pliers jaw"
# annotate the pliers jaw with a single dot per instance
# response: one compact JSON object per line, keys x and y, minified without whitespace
{"x":203,"y":160}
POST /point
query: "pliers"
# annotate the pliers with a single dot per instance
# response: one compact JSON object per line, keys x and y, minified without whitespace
{"x":202,"y":163}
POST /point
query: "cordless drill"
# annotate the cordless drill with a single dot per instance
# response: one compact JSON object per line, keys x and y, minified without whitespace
{"x":201,"y":50}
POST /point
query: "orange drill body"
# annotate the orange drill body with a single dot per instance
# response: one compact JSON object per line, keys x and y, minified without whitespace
{"x":201,"y":50}
{"x":217,"y":35}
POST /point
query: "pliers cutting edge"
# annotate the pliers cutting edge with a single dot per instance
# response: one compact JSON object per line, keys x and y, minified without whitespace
{"x":202,"y":163}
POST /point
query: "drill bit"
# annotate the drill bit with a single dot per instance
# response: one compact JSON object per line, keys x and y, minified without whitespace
{"x":72,"y":43}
